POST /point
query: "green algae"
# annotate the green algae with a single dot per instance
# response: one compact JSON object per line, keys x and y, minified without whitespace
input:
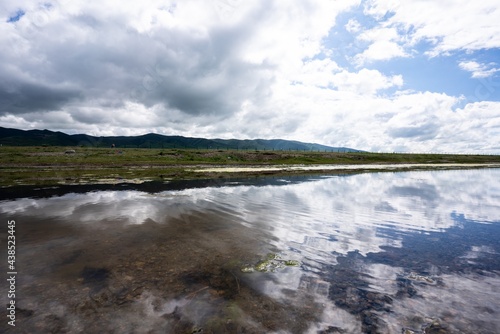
{"x":272,"y":263}
{"x":292,"y":263}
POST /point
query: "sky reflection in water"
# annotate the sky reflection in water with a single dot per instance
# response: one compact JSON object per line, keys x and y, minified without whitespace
{"x":379,"y":252}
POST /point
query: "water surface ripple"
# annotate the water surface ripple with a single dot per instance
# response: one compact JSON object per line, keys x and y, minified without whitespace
{"x":402,"y":252}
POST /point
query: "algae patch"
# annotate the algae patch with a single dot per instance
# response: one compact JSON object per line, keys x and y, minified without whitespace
{"x":420,"y":278}
{"x":271,"y":263}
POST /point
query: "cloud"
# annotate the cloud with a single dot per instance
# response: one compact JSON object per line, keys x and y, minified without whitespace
{"x":478,"y":70}
{"x":473,"y":124}
{"x":238,"y":69}
{"x":409,"y":122}
{"x":380,"y":50}
{"x":316,"y":72}
{"x":365,"y":82}
{"x":400,"y":26}
{"x":448,"y":26}
{"x":353,"y":26}
{"x":180,"y":56}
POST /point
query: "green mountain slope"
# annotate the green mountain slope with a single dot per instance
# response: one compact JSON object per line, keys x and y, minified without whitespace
{"x":15,"y":137}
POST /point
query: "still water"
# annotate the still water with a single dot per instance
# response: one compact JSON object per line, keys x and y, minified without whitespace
{"x":407,"y":252}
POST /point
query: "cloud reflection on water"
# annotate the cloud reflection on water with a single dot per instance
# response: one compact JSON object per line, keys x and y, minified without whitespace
{"x":368,"y":222}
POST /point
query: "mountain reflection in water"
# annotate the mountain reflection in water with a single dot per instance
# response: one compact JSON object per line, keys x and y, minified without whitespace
{"x":408,"y":252}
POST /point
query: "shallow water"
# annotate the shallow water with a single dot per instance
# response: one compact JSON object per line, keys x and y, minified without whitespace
{"x":338,"y":167}
{"x":399,"y":252}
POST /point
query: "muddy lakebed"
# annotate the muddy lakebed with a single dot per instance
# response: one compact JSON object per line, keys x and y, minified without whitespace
{"x":387,"y":252}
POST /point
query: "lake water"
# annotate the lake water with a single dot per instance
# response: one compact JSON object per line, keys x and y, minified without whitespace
{"x":406,"y":252}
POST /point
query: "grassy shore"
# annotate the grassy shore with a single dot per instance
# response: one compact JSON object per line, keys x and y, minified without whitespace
{"x":55,"y":165}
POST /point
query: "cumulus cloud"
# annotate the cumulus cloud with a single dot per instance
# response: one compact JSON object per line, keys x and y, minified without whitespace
{"x":476,"y":126}
{"x":365,"y":82}
{"x":238,"y":69}
{"x":478,"y":70}
{"x":189,"y":69}
{"x":353,"y":26}
{"x":384,"y":44}
{"x":196,"y":57}
{"x":448,"y":26}
{"x":380,"y":50}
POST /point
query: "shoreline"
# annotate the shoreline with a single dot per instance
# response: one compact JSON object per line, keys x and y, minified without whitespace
{"x":139,"y":174}
{"x":350,"y":167}
{"x":45,"y":166}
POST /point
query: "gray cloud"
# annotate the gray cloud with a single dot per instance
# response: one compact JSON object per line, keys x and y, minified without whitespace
{"x":425,"y":131}
{"x":197,"y":74}
{"x":220,"y":68}
{"x":20,"y":98}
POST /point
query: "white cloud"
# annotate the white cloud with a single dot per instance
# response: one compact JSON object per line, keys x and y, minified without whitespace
{"x":448,"y":25}
{"x":380,"y":50}
{"x":353,"y":26}
{"x":409,"y":122}
{"x":380,"y":34}
{"x":315,"y":72}
{"x":365,"y":82}
{"x":384,"y":44}
{"x":379,"y":9}
{"x":240,"y":69}
{"x":478,"y":70}
{"x":474,"y":123}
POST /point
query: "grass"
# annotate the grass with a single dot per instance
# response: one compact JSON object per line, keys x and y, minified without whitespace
{"x":51,"y":165}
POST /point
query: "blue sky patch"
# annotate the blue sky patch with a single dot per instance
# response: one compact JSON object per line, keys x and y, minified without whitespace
{"x":16,"y":17}
{"x":472,"y":75}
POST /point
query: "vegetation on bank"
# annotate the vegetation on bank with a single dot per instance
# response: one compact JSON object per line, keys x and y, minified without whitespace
{"x":45,"y":165}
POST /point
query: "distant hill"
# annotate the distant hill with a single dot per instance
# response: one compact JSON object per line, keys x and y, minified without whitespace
{"x":15,"y":137}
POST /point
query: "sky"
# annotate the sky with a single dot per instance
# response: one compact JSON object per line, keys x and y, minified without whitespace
{"x":381,"y":76}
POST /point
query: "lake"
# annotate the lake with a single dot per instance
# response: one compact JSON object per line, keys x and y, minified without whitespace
{"x":389,"y":252}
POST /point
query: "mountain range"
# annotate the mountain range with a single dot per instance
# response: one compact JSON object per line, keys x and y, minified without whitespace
{"x":16,"y":137}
